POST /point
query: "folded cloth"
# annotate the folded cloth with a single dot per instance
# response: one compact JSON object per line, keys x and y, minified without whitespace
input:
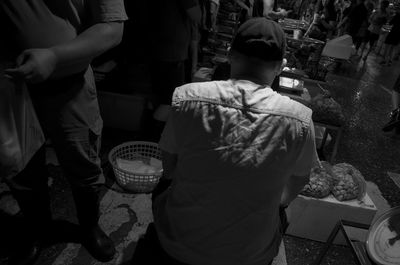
{"x":138,"y":166}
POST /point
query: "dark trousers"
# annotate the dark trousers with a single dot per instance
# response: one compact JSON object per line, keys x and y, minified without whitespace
{"x":30,"y":188}
{"x":77,"y":147}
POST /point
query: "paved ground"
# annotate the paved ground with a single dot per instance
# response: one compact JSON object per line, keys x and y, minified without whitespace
{"x":364,"y":92}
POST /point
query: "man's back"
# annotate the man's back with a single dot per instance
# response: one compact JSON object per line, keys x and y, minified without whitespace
{"x":239,"y":145}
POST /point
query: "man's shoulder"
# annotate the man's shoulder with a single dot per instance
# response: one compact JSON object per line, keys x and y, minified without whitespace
{"x":286,"y":106}
{"x":198,"y":91}
{"x":220,"y":92}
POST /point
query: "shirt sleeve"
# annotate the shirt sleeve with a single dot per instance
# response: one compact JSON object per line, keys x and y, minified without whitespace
{"x":107,"y":10}
{"x":168,"y":138}
{"x":187,"y":4}
{"x":308,"y":157}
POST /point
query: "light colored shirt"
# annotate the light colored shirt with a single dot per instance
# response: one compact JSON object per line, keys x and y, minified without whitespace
{"x":237,"y":144}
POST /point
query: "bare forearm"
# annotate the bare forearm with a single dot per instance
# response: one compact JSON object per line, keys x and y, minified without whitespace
{"x":76,"y":55}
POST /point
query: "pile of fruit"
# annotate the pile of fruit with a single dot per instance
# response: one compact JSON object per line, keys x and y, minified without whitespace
{"x":350,"y":185}
{"x":343,"y":180}
{"x":320,"y":184}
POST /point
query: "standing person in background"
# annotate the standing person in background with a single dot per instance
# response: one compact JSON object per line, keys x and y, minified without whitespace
{"x":329,"y":15}
{"x":343,"y":7}
{"x":394,"y":116}
{"x":377,"y":19}
{"x":361,"y":37}
{"x":52,"y":44}
{"x":354,"y":20}
{"x":392,"y":39}
{"x":269,"y":9}
{"x":171,"y":34}
{"x":235,"y":152}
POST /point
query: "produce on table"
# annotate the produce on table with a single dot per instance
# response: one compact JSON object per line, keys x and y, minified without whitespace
{"x":321,"y":182}
{"x":350,"y":185}
{"x":327,"y":110}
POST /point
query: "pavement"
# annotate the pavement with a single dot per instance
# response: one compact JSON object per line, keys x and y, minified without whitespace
{"x":363,"y":90}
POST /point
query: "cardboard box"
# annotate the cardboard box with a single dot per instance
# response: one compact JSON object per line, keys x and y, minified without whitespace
{"x":315,"y":219}
{"x":339,"y":48}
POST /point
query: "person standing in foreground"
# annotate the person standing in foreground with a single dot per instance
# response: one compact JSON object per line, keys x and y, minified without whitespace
{"x":53,"y":43}
{"x":235,"y":152}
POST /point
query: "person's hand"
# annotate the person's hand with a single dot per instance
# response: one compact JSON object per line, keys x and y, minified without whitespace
{"x":284,"y":13}
{"x":33,"y":66}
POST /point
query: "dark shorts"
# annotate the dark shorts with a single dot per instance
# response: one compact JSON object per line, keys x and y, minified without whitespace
{"x":371,"y":38}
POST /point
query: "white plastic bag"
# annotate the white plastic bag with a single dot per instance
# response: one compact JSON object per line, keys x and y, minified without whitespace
{"x":20,"y":132}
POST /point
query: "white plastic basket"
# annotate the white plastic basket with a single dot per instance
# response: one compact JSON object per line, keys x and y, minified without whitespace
{"x":138,"y":150}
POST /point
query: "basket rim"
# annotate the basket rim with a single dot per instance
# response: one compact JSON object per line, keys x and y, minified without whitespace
{"x":114,"y":164}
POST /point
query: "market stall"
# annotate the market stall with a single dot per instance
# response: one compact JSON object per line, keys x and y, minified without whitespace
{"x":333,"y":193}
{"x":303,"y":53}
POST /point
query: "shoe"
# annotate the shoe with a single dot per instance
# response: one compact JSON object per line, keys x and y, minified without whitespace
{"x":394,"y":120}
{"x":389,"y":63}
{"x":98,"y":244}
{"x":383,"y":62}
{"x":26,"y":255}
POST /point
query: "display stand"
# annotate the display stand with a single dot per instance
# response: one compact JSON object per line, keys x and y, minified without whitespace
{"x":358,"y":248}
{"x":337,"y":136}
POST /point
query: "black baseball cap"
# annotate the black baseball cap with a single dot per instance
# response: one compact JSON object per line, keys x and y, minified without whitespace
{"x":260,"y":38}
